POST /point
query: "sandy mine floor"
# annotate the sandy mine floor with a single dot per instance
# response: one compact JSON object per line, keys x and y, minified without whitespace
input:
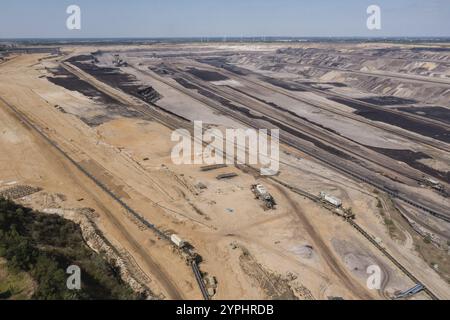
{"x":300,"y":250}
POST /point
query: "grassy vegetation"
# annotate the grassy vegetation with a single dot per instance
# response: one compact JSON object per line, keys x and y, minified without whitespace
{"x":379,"y":205}
{"x":432,"y":254}
{"x":394,"y":231}
{"x":15,"y":285}
{"x":43,"y":246}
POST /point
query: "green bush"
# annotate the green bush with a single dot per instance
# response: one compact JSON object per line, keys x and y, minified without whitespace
{"x":45,"y":245}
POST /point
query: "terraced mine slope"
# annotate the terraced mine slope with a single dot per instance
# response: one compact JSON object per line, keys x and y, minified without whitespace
{"x":88,"y":131}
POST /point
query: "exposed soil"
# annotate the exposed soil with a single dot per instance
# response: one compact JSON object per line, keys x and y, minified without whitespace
{"x":409,"y":124}
{"x":207,"y":75}
{"x":437,"y":113}
{"x":110,"y":106}
{"x":284,"y":85}
{"x":410,"y":157}
{"x":131,"y":157}
{"x":115,"y":78}
{"x":387,"y":100}
{"x":68,"y":81}
{"x":275,"y":287}
{"x":247,"y":112}
{"x":221,"y":62}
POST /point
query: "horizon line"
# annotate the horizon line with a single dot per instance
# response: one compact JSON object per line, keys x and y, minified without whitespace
{"x":225,"y":37}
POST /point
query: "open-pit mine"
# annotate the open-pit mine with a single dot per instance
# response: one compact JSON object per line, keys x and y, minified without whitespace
{"x":359,"y":208}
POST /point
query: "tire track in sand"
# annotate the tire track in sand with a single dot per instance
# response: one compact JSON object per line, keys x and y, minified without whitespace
{"x":66,"y":162}
{"x":325,"y":252}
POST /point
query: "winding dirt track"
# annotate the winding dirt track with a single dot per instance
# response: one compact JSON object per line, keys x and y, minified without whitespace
{"x":325,"y":252}
{"x":70,"y":165}
{"x":438,"y":145}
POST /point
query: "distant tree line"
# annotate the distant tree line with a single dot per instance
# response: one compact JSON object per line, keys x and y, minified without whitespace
{"x":44,"y":245}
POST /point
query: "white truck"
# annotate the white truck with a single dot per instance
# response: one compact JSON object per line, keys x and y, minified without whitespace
{"x":331,"y":200}
{"x":176,"y":240}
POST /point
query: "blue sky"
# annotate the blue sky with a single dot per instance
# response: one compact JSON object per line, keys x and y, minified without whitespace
{"x":184,"y":18}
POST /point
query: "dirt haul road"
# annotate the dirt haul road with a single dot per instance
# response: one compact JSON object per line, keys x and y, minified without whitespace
{"x":114,"y":153}
{"x":330,"y":259}
{"x":124,"y":230}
